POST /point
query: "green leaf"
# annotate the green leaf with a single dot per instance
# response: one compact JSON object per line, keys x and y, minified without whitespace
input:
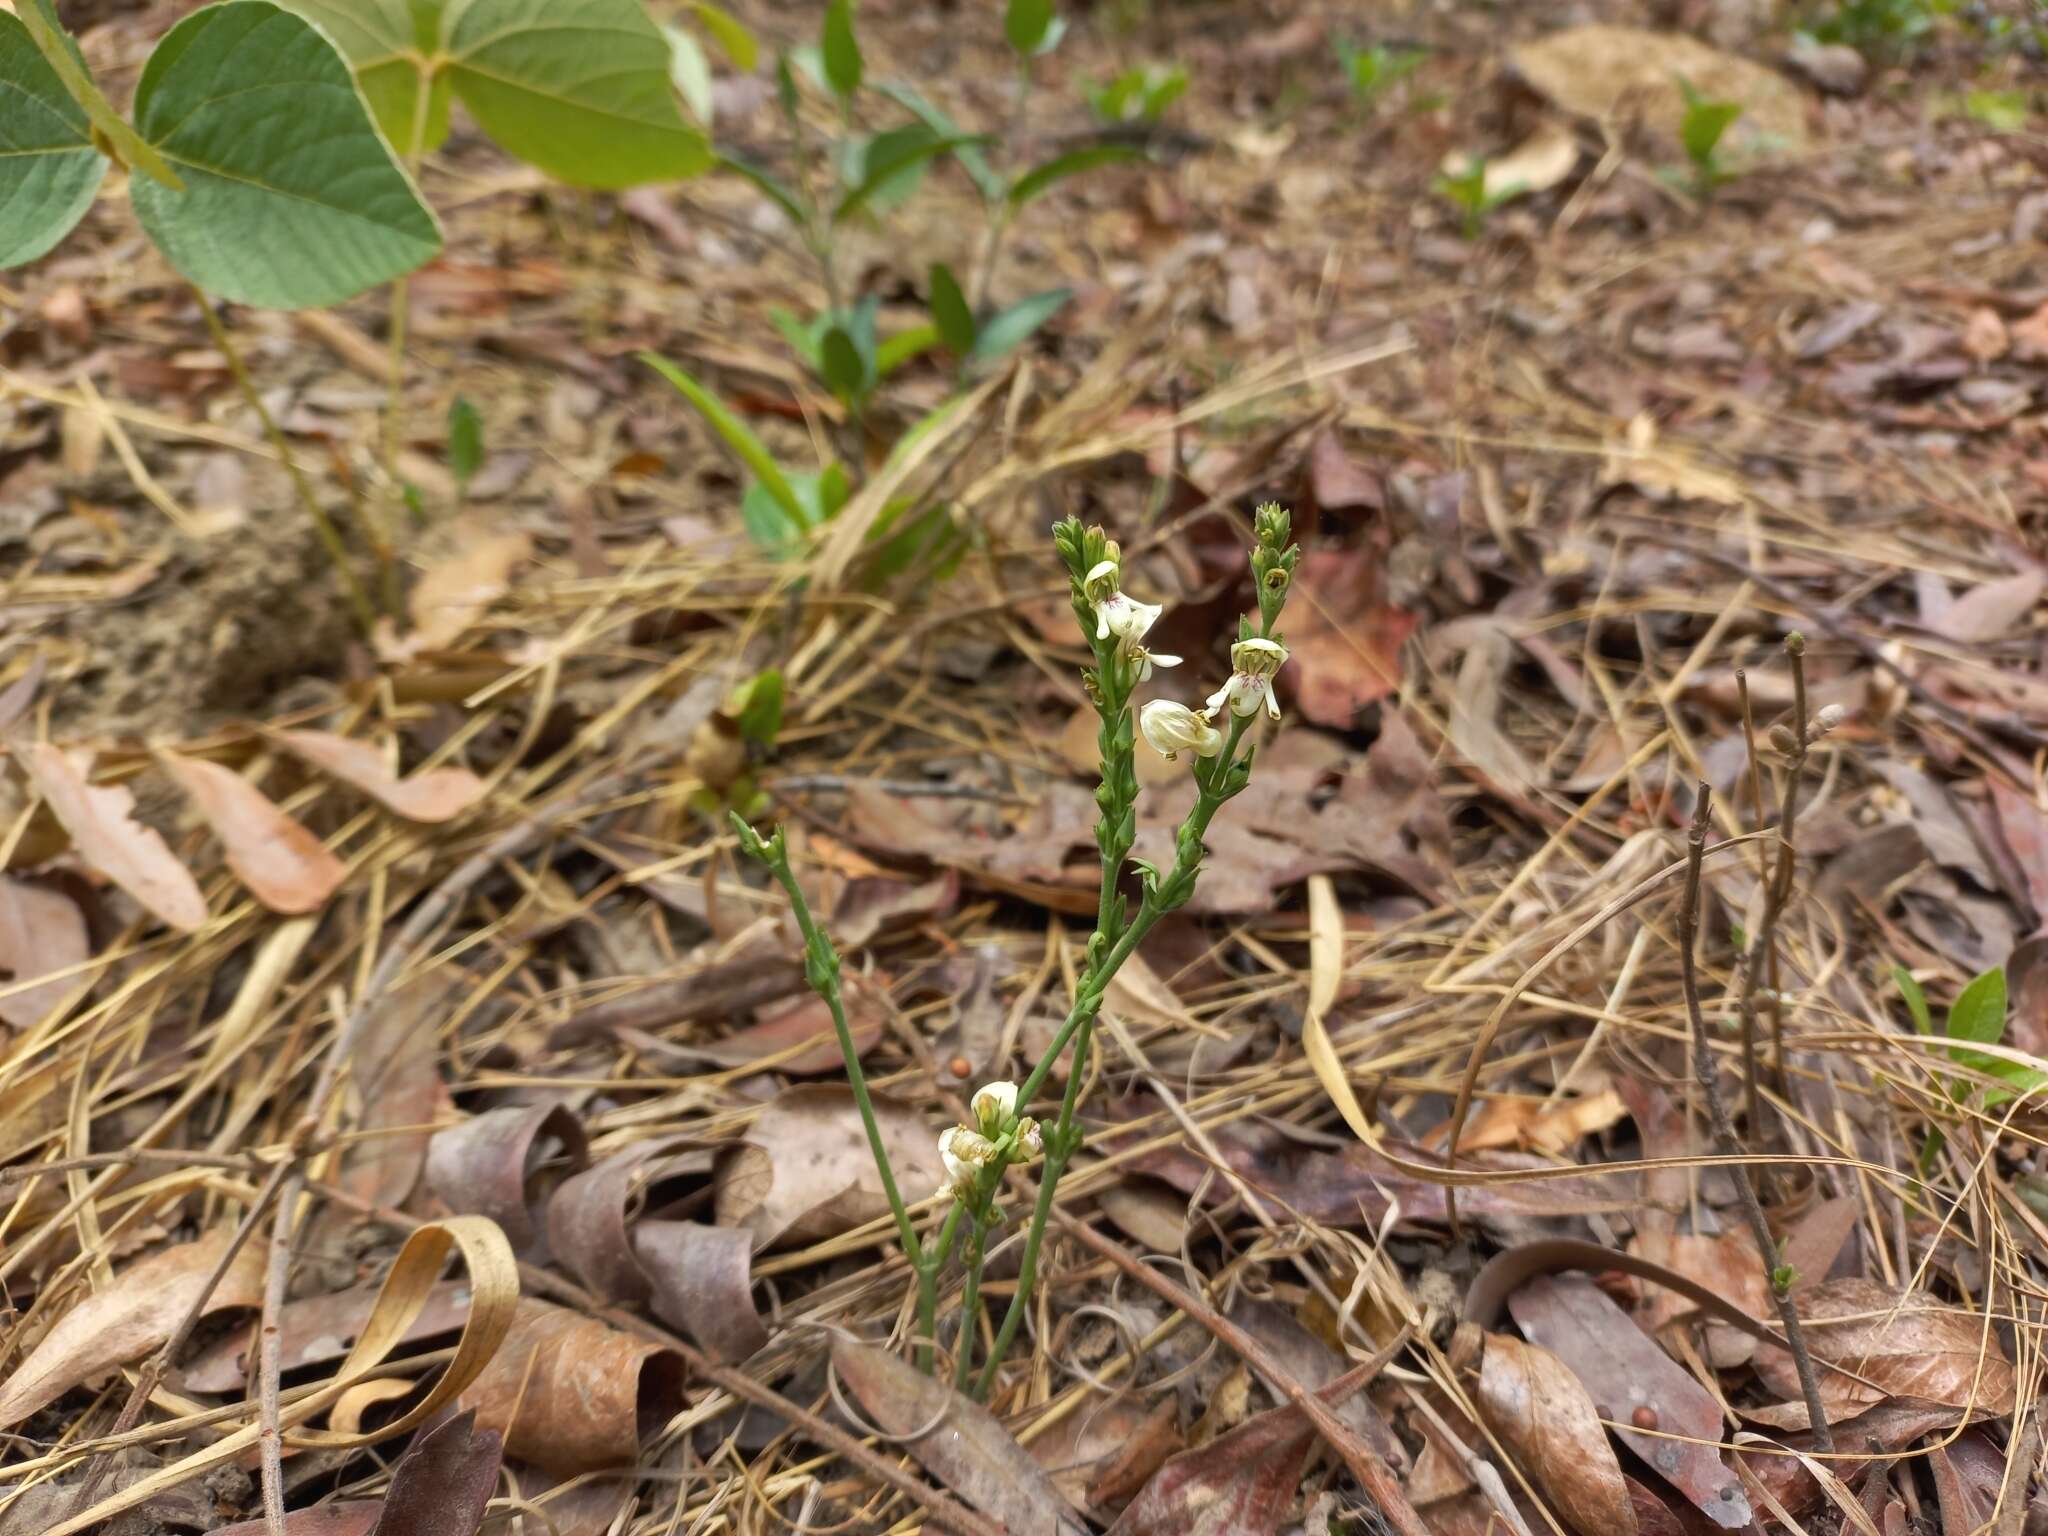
{"x":893,"y":156}
{"x":1916,"y":999}
{"x":579,"y":88}
{"x":388,"y":44}
{"x":756,"y":707}
{"x":829,"y":490}
{"x":882,"y":168}
{"x":844,"y":372}
{"x":465,"y":441}
{"x":971,"y":159}
{"x":950,"y":312}
{"x":731,"y":35}
{"x":1141,"y":92}
{"x":1007,"y":328}
{"x":779,"y":194}
{"x":931,"y":538}
{"x":841,"y":51}
{"x":1702,"y":126}
{"x":1041,"y":179}
{"x":806,"y":338}
{"x":1978,"y":1013}
{"x":47,"y":35}
{"x":291,"y":198}
{"x":691,"y":72}
{"x":49,"y":170}
{"x":902,"y":347}
{"x":739,"y":437}
{"x":1025,"y":24}
{"x":768,"y":523}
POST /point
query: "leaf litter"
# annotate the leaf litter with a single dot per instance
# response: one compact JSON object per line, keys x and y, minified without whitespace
{"x":1602,"y":467}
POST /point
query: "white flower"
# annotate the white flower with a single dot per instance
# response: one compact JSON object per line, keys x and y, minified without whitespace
{"x":1117,"y":612}
{"x":1147,"y":660}
{"x":994,"y":1106}
{"x":1253,"y":663}
{"x":965,"y":1153}
{"x":1030,"y":1141}
{"x":1174,"y":728}
{"x":1103,"y":579}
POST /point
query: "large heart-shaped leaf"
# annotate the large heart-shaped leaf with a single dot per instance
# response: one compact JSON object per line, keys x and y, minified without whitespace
{"x":579,"y":88}
{"x":291,"y":199}
{"x":49,"y":170}
{"x":391,"y":45}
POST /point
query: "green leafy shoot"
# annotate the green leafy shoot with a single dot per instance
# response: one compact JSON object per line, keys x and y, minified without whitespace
{"x":1875,"y":28}
{"x":950,"y":313}
{"x":840,"y":50}
{"x":1041,"y":179}
{"x":731,"y":34}
{"x":465,"y":442}
{"x":1007,"y":329}
{"x":1140,"y":94}
{"x":1466,"y":190}
{"x":1374,"y":71}
{"x":739,"y":437}
{"x":1700,"y":131}
{"x":1916,"y":999}
{"x":2000,"y":111}
{"x":756,"y":707}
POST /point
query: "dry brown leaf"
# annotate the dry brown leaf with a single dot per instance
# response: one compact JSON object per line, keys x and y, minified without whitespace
{"x":1907,"y":1342}
{"x":454,"y":592}
{"x":570,"y":1394}
{"x":1726,"y":1264}
{"x":129,"y":1319}
{"x":962,"y":1444}
{"x":1325,"y":968}
{"x":395,"y":1082}
{"x":805,"y":1171}
{"x":1993,"y":611}
{"x":286,"y":867}
{"x":346,"y":1517}
{"x":102,"y":826}
{"x":439,"y":794}
{"x":1344,"y":638}
{"x":1240,"y":1484}
{"x":42,"y":933}
{"x":1532,"y":1401}
{"x":1536,"y":164}
{"x":1535,"y":1124}
{"x":1662,"y":472}
{"x":443,"y":1481}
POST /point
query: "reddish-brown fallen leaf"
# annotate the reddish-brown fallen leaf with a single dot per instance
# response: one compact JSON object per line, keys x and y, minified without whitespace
{"x":962,"y":1445}
{"x":1726,"y":1263}
{"x":1541,"y":1412}
{"x":103,"y":828}
{"x":439,"y":794}
{"x":1240,"y":1484}
{"x":395,"y":1081}
{"x":286,"y":867}
{"x":490,"y":1166}
{"x":1908,"y":1343}
{"x":129,"y":1319}
{"x":570,"y":1394}
{"x":805,"y":1173}
{"x":803,"y":1021}
{"x":349,"y":1517}
{"x":1632,"y":1381}
{"x":1882,"y":1430}
{"x":443,"y":1481}
{"x":42,"y":933}
{"x":1969,"y":1477}
{"x":1344,"y":639}
{"x":703,"y":1284}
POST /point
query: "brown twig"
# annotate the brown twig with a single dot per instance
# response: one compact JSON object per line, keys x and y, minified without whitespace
{"x":1366,"y":1464}
{"x":1756,"y":817}
{"x":1725,"y":1138}
{"x":1763,"y":947}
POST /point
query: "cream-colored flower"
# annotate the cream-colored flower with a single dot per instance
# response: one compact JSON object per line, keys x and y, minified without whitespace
{"x":994,"y":1106}
{"x":1147,"y":660}
{"x":1116,"y":611}
{"x":1253,"y":663}
{"x":1174,"y":728}
{"x":965,"y":1153}
{"x":1030,"y":1141}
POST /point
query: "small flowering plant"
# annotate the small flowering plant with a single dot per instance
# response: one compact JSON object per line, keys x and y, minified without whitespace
{"x":1002,"y":1135}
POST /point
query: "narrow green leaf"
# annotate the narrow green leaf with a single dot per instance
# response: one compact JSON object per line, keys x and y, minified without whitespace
{"x":49,"y":169}
{"x":731,"y":34}
{"x":756,"y":707}
{"x":833,"y":490}
{"x":292,"y":199}
{"x":1978,"y":1013}
{"x":782,"y":196}
{"x":391,"y":47}
{"x":845,"y":374}
{"x":898,"y":543}
{"x":691,"y":72}
{"x":1025,"y":24}
{"x":1041,"y":179}
{"x":1916,"y":999}
{"x":46,"y":32}
{"x":971,"y":159}
{"x":739,"y":437}
{"x":579,"y":88}
{"x":899,"y":349}
{"x":1702,"y":127}
{"x":950,"y":312}
{"x":1006,"y":329}
{"x":785,"y":88}
{"x":465,"y":441}
{"x":895,"y":186}
{"x":881,"y":169}
{"x":806,"y":338}
{"x":843,"y":67}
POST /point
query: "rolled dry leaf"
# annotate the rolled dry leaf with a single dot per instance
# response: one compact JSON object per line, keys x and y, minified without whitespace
{"x":587,"y":1222}
{"x":438,"y":794}
{"x":286,"y":867}
{"x":317,"y":1330}
{"x":570,"y":1394}
{"x":703,"y":1284}
{"x":489,"y":1166}
{"x":129,"y":1319}
{"x":101,"y":821}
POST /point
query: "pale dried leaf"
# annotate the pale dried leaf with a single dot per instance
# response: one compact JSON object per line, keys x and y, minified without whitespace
{"x":805,"y":1171}
{"x":129,"y":1319}
{"x":102,"y":826}
{"x":1993,"y":611}
{"x":454,"y":592}
{"x":1536,"y":164}
{"x":42,"y":933}
{"x":439,"y":794}
{"x":1532,"y":1401}
{"x":1326,"y":966}
{"x":286,"y":867}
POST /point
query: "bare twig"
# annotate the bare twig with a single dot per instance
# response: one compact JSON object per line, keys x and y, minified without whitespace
{"x":1763,"y":946}
{"x":1725,"y":1138}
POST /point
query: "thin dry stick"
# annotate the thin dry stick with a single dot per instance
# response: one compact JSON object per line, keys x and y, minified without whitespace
{"x":1763,"y":946}
{"x":323,"y":525}
{"x":1707,"y":1072}
{"x":1756,"y":819}
{"x":1373,"y":1474}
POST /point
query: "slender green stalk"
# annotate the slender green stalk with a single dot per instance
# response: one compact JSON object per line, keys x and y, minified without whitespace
{"x":330,"y":536}
{"x":970,"y":1296}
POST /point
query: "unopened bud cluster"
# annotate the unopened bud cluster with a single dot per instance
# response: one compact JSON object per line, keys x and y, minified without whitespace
{"x":998,"y":1133}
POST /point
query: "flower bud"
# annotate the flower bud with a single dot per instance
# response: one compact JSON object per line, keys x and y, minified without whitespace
{"x":994,"y":1106}
{"x":1030,"y":1141}
{"x":965,"y":1153}
{"x":1172,"y":729}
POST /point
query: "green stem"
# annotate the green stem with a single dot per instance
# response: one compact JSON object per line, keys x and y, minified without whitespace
{"x":970,"y":1297}
{"x":929,"y":1266}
